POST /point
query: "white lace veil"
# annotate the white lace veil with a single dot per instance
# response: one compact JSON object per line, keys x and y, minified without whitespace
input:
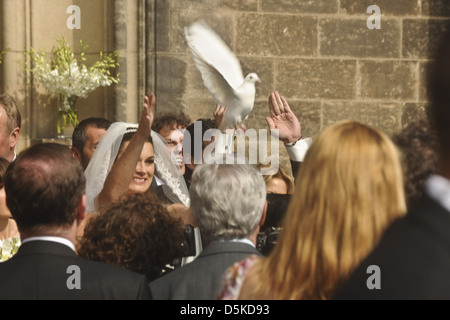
{"x":104,"y":156}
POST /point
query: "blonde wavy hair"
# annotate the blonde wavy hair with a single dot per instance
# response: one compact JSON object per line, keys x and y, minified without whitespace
{"x":280,"y":174}
{"x":348,"y":190}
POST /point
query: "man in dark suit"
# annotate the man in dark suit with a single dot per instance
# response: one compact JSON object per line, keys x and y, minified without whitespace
{"x":229,"y":205}
{"x":45,"y":194}
{"x":412,"y":261}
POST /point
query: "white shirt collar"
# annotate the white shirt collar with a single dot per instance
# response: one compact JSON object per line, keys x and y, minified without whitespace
{"x":244,"y":240}
{"x":63,"y":241}
{"x":438,"y":188}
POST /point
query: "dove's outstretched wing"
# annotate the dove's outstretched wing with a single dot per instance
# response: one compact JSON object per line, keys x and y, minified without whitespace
{"x":221,"y":72}
{"x":218,"y":65}
{"x":214,"y":81}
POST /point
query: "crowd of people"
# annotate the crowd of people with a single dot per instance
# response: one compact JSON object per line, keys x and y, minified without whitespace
{"x":126,"y":213}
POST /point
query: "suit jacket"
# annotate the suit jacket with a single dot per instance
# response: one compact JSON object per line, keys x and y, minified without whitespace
{"x":202,"y":278}
{"x":295,"y":166}
{"x":40,"y":271}
{"x":413,"y":258}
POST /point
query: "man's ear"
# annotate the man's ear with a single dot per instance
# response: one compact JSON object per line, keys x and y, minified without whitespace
{"x":76,"y":154}
{"x":81,"y":208}
{"x":14,"y":137}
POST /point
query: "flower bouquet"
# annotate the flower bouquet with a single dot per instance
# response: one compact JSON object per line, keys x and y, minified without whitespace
{"x":8,"y":248}
{"x":66,"y":79}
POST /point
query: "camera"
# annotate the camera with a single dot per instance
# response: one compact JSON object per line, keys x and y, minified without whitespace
{"x":266,"y":240}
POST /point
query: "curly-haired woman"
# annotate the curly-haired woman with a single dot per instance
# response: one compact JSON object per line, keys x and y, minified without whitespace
{"x":136,"y":233}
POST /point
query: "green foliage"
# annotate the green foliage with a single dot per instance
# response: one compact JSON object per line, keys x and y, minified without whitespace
{"x":2,"y":53}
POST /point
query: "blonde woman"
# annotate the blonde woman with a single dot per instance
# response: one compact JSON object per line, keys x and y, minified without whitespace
{"x":279,"y":182}
{"x":349,"y":189}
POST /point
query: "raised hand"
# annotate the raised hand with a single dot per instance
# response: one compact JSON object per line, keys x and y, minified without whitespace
{"x":283,"y":119}
{"x":147,"y":115}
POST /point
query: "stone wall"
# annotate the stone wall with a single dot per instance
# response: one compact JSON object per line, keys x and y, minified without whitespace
{"x":320,"y":54}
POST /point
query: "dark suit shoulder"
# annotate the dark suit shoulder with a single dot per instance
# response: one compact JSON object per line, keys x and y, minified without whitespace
{"x":43,"y":270}
{"x":413,"y":258}
{"x":202,"y":278}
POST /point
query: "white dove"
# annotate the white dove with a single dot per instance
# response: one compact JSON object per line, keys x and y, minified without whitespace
{"x":222,"y":74}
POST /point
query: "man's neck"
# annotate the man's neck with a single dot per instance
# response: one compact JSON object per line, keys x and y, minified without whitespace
{"x":4,"y":228}
{"x":69,"y":234}
{"x":11,"y":156}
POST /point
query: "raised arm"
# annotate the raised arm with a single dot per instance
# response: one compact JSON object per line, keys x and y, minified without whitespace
{"x":122,"y":171}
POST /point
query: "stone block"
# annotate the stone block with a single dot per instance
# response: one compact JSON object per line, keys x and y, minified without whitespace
{"x":391,"y":80}
{"x":49,"y":23}
{"x":171,"y":74}
{"x":351,"y":38}
{"x":236,"y":5}
{"x":300,"y":6}
{"x":276,"y":35}
{"x":168,"y":103}
{"x":424,"y":70}
{"x":162,"y":27}
{"x":384,"y":116}
{"x":387,"y":7}
{"x":421,"y":37}
{"x":316,"y":79}
{"x":200,"y":108}
{"x":412,"y":112}
{"x":309,"y":115}
{"x":389,"y":117}
{"x":257,"y":118}
{"x":221,"y":23}
{"x":436,"y":8}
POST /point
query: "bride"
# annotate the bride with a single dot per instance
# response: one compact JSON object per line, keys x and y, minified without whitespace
{"x":125,"y":162}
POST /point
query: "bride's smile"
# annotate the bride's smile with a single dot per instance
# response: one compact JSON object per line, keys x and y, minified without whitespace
{"x":145,"y":168}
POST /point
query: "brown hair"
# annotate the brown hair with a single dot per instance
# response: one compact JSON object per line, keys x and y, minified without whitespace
{"x":170,"y":119}
{"x":44,"y":187}
{"x":4,"y":164}
{"x":136,"y":233}
{"x":12,"y":111}
{"x":280,"y":174}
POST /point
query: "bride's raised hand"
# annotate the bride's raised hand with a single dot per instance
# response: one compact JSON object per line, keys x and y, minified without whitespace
{"x":148,"y":114}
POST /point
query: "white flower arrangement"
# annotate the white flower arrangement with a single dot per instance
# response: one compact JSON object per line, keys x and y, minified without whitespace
{"x":65,"y":78}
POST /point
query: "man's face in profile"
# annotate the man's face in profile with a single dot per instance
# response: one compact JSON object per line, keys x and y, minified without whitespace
{"x":94,"y":135}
